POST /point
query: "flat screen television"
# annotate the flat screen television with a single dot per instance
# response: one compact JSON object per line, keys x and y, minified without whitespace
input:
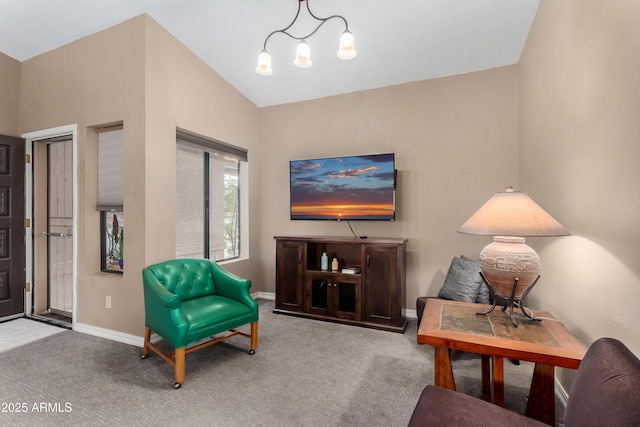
{"x":343,"y":188}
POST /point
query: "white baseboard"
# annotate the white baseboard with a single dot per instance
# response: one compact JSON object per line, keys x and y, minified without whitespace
{"x":264,"y":295}
{"x":409,"y":314}
{"x":561,"y":392}
{"x":109,"y":334}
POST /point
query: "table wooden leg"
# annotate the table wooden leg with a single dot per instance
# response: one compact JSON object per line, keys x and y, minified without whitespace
{"x":498,"y":380}
{"x":542,"y":404}
{"x":486,"y":378}
{"x":442,"y":368}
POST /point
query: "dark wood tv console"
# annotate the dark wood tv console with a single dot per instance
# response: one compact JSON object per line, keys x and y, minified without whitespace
{"x":373,"y":298}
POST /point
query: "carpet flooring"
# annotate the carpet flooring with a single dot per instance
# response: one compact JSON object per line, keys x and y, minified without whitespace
{"x":304,"y":373}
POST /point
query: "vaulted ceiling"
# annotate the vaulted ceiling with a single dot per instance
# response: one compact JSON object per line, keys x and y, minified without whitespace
{"x":397,"y":41}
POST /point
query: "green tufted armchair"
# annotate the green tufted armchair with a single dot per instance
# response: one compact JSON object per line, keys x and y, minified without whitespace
{"x":189,"y":300}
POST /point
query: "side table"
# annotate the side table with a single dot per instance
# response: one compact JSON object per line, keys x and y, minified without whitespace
{"x":456,"y":325}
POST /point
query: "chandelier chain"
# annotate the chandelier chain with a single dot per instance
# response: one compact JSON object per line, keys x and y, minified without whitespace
{"x":322,"y":22}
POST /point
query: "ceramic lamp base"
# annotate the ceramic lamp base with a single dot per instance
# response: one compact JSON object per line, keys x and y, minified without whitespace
{"x":507,"y":259}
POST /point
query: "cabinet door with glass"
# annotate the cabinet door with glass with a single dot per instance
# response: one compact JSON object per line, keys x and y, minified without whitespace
{"x":333,"y":294}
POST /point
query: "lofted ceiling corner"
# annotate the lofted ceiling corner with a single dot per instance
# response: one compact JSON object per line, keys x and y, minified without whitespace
{"x":397,"y":41}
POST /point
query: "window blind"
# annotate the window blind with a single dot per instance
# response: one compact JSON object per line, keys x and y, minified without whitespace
{"x":110,"y":170}
{"x":211,"y":145}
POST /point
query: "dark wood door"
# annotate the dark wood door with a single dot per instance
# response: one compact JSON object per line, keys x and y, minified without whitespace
{"x":347,"y":299}
{"x":319,"y":298}
{"x":290,"y":267}
{"x":12,"y":229}
{"x":383,"y":294}
{"x":333,"y":294}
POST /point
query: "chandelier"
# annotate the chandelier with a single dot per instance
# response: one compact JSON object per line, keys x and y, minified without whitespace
{"x":303,"y":58}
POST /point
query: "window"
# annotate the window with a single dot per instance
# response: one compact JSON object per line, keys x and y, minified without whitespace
{"x":110,"y":199}
{"x":112,"y":231}
{"x":208,"y":178}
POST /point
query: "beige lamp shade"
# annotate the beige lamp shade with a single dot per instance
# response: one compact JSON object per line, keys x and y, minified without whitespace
{"x":512,"y":213}
{"x":509,"y":265}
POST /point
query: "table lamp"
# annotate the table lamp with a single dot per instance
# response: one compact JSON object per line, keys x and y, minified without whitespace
{"x":508,"y":266}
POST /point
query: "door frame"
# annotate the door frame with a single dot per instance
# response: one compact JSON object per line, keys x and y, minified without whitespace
{"x":30,"y":138}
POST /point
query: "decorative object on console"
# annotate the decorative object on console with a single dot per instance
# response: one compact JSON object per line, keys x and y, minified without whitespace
{"x":324,"y":262}
{"x":335,"y":265}
{"x":303,"y":57}
{"x":509,"y":266}
{"x":351,"y":270}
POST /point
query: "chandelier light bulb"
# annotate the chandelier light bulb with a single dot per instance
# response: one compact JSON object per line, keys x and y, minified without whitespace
{"x":303,"y":58}
{"x":303,"y":55}
{"x":347,"y":47}
{"x":264,"y":64}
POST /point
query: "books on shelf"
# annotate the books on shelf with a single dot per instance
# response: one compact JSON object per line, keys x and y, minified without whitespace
{"x":351,"y":270}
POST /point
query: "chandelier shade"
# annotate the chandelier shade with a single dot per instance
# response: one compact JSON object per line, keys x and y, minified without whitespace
{"x":303,"y":55}
{"x":346,"y":49}
{"x":264,"y":64}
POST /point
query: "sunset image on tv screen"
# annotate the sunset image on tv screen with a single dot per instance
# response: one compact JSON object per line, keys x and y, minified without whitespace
{"x":348,"y":188}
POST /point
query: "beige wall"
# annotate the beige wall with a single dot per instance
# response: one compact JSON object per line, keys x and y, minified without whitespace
{"x":137,"y":73}
{"x":10,"y":99}
{"x":455,"y":141}
{"x":96,"y":80}
{"x":182,"y":91}
{"x":579,"y":153}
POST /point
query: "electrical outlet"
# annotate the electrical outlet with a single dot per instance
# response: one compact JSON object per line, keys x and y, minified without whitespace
{"x":107,"y":302}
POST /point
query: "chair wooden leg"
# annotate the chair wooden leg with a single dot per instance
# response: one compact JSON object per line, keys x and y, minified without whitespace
{"x":180,"y":356}
{"x":147,"y":339}
{"x":254,"y":337}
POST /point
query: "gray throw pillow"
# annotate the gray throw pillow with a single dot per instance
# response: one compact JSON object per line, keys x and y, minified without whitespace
{"x":483,"y":291}
{"x":483,"y":294}
{"x":462,"y":282}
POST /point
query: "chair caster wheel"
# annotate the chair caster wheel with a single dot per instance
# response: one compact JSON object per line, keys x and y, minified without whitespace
{"x":177,"y":385}
{"x":252,"y":352}
{"x":144,"y":356}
